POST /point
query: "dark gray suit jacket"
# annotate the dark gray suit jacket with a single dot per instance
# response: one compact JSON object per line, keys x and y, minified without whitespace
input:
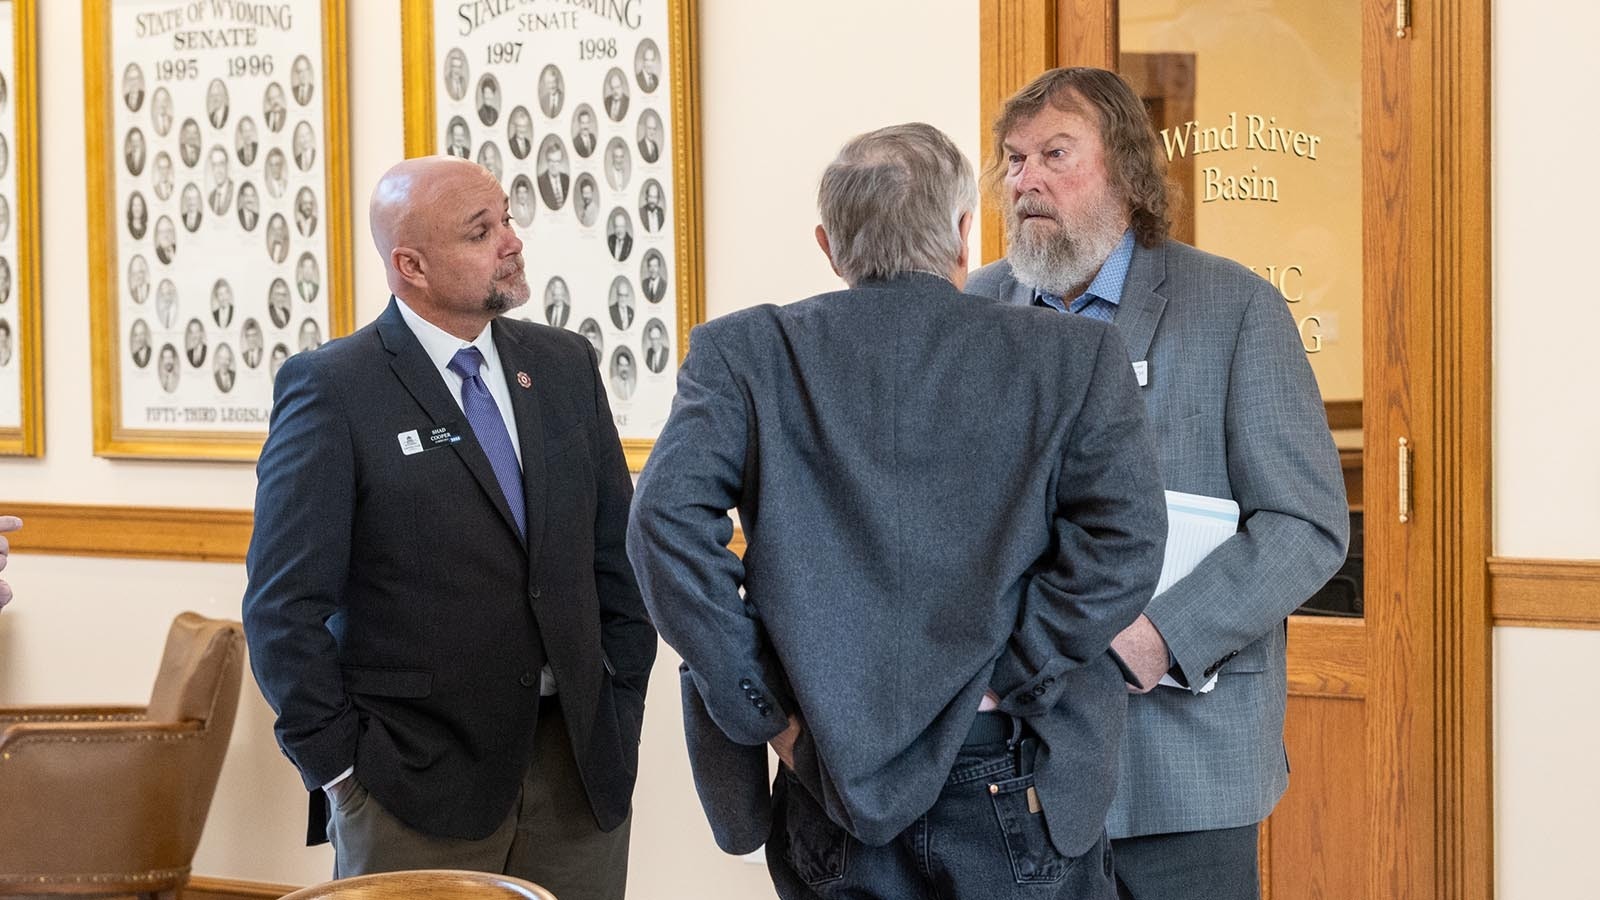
{"x":940,"y":494}
{"x":396,"y":619}
{"x":1235,"y":412}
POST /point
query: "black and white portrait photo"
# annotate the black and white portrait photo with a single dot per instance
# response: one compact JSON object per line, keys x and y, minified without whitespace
{"x":194,"y":342}
{"x":278,"y":303}
{"x":488,"y":99}
{"x":189,"y":142}
{"x":162,"y":180}
{"x":587,"y":203}
{"x":5,"y":155}
{"x":649,"y":136}
{"x":552,"y":91}
{"x":302,"y":83}
{"x":133,"y":151}
{"x":619,"y":234}
{"x":554,"y":181}
{"x":167,"y":303}
{"x":219,"y":185}
{"x":519,"y":132}
{"x":189,"y":208}
{"x":222,"y":303}
{"x":277,"y":238}
{"x":274,"y":107}
{"x":522,"y":201}
{"x":252,"y":343}
{"x":455,"y":74}
{"x":133,"y":87}
{"x":138,"y":215}
{"x":223,"y":368}
{"x":647,"y":65}
{"x":275,"y":173}
{"x":489,"y":158}
{"x":280,"y":353}
{"x":310,"y":335}
{"x":615,"y":95}
{"x":557,"y":302}
{"x":139,"y":343}
{"x":305,"y":146}
{"x":5,"y":217}
{"x":246,"y":141}
{"x":166,"y":240}
{"x":624,"y":373}
{"x":584,"y":136}
{"x":138,"y":279}
{"x":5,"y":280}
{"x":458,"y":138}
{"x":305,"y":212}
{"x":307,"y":277}
{"x":653,"y":276}
{"x":167,"y":368}
{"x":217,"y":103}
{"x":652,"y":206}
{"x":656,"y":352}
{"x":161,"y":112}
{"x":619,"y":300}
{"x":5,"y":343}
{"x":590,"y":329}
{"x":619,"y":164}
{"x":249,"y":206}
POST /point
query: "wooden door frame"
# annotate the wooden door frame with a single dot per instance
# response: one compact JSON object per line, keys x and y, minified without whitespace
{"x":1427,"y":378}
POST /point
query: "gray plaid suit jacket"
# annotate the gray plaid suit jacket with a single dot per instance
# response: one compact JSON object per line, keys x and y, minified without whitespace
{"x":1234,"y":412}
{"x":941,"y":494}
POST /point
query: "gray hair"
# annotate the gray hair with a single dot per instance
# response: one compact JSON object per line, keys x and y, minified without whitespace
{"x":892,"y":202}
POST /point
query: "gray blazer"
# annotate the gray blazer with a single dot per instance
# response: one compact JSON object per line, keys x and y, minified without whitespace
{"x":1235,"y":412}
{"x":939,"y":494}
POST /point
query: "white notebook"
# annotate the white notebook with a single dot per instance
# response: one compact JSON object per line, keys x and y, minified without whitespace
{"x":1196,"y":525}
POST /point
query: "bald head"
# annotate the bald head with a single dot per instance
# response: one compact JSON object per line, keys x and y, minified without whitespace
{"x":430,"y":218}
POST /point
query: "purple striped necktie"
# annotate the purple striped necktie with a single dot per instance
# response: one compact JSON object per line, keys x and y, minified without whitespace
{"x":490,"y":428}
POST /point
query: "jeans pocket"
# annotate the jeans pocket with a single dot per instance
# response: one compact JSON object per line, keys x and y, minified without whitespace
{"x":1034,"y":859}
{"x":818,"y":848}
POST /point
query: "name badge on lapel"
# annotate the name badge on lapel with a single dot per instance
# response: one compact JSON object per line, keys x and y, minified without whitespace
{"x":415,"y":441}
{"x":1141,"y":372}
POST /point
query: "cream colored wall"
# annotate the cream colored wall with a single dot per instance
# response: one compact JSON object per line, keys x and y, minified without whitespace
{"x":783,"y":86}
{"x":1546,"y":437}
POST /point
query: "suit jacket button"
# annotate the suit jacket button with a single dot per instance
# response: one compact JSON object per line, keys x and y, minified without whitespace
{"x":1038,"y":690}
{"x":766,"y":711}
{"x":745,"y":683}
{"x":525,"y":679}
{"x":534,"y":593}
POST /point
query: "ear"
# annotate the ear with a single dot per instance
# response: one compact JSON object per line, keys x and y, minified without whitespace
{"x":964,"y":228}
{"x":822,"y":241}
{"x":409,"y":265}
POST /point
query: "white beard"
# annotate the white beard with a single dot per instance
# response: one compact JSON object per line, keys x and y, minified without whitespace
{"x":1063,"y":261}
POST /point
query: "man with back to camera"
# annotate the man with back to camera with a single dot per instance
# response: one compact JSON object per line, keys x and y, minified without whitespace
{"x":942,"y":542}
{"x":471,"y":700}
{"x":1235,"y":413}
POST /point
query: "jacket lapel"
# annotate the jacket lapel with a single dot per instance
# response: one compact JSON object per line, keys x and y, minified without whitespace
{"x":419,"y":376}
{"x":518,"y":362}
{"x":1140,"y":309}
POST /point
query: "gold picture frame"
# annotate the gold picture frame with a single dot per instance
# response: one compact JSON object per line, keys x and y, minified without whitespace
{"x":185,"y":46}
{"x":549,"y":39}
{"x":22,"y":344}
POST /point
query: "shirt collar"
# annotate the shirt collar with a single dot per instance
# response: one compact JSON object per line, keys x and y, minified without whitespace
{"x":441,"y":345}
{"x":1107,"y":284}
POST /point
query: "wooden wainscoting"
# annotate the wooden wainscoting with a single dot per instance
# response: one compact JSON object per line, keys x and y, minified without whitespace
{"x":136,"y":532}
{"x":1545,"y":593}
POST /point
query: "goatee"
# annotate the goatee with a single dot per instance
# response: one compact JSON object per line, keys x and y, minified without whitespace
{"x":1064,"y":259}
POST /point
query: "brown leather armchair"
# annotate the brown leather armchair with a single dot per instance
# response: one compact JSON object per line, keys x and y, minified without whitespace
{"x":435,"y":884}
{"x":111,"y":800}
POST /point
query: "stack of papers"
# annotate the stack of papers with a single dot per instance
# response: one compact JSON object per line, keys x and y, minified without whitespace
{"x":1196,"y":525}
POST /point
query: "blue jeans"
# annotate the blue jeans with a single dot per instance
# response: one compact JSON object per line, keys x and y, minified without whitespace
{"x":979,"y":840}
